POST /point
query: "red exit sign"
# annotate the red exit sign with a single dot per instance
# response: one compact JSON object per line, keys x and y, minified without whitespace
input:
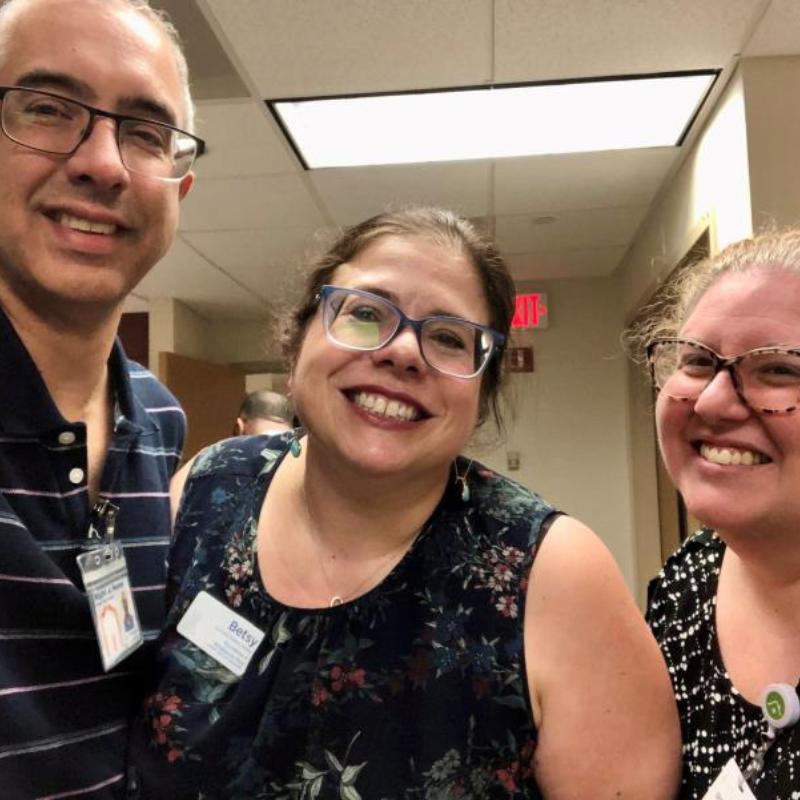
{"x":530,"y":311}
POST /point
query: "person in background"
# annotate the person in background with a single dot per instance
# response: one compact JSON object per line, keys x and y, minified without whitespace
{"x":93,"y":164}
{"x":724,"y":355}
{"x":362,"y":611}
{"x":263,"y":412}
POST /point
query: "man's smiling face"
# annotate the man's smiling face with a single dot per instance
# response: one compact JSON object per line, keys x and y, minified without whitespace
{"x":81,"y":229}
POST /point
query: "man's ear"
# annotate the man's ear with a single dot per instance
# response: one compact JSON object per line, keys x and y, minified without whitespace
{"x":185,"y":185}
{"x":238,"y":427}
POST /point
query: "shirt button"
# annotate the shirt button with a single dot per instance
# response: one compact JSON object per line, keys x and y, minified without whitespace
{"x":66,"y":437}
{"x":76,"y":475}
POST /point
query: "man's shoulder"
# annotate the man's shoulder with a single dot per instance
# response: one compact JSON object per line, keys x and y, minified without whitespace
{"x":147,"y":387}
{"x":154,"y":402}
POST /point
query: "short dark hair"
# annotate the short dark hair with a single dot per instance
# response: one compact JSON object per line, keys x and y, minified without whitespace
{"x":440,"y":226}
{"x":156,"y":16}
{"x":266,"y":405}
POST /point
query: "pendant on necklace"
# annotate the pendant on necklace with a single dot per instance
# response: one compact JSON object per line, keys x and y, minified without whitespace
{"x":336,"y":601}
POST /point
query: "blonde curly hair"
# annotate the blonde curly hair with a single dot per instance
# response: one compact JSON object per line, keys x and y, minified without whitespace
{"x":776,"y":250}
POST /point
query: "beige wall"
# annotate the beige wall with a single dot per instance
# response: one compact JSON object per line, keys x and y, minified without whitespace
{"x":571,"y":421}
{"x":271,"y":381}
{"x":175,"y":328}
{"x":240,"y":341}
{"x":772,"y":88}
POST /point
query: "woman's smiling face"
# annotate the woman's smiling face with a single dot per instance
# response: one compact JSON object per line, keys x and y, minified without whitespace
{"x":386,"y":411}
{"x":738,"y":471}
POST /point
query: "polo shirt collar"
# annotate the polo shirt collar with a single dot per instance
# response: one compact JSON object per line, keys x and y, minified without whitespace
{"x":129,"y":412}
{"x":27,"y":408}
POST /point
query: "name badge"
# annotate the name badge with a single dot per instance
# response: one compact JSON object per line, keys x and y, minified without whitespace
{"x":729,"y":785}
{"x":220,"y":632}
{"x":108,"y":589}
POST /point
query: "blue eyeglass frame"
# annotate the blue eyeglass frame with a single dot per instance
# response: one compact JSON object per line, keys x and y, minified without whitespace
{"x":498,"y":340}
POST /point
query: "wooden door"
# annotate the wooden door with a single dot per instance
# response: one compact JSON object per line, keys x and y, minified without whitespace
{"x":209,"y":393}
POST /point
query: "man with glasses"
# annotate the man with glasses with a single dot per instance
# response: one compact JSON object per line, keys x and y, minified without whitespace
{"x":96,"y":152}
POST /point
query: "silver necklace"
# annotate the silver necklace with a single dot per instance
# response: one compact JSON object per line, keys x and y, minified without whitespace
{"x":338,"y":598}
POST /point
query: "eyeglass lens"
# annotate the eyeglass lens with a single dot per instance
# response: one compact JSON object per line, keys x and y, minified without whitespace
{"x":768,"y":379}
{"x":367,"y":322}
{"x":57,"y":125}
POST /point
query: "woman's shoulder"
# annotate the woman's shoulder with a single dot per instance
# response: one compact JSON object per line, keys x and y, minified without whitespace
{"x":226,"y":480}
{"x":697,"y":558}
{"x":240,"y":455}
{"x":502,"y":498}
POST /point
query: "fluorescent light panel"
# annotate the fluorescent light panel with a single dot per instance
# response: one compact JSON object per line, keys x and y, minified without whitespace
{"x":608,"y":114}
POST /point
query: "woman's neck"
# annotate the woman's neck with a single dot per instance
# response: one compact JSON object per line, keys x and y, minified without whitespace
{"x":768,"y":557}
{"x":765,"y":575}
{"x":758,"y":618}
{"x":352,"y":512}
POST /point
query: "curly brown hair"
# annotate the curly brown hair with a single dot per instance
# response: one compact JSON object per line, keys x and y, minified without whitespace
{"x":440,"y":226}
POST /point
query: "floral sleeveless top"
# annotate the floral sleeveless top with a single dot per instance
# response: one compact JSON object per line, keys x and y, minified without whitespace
{"x":414,"y":691}
{"x":717,"y":722}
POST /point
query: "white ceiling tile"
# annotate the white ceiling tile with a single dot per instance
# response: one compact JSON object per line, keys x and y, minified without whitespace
{"x":546,"y":184}
{"x":293,"y":48}
{"x":557,"y":39}
{"x":242,"y":139}
{"x":594,"y":262}
{"x":186,"y":276}
{"x":260,"y":254}
{"x":262,"y":201}
{"x":352,"y":195}
{"x":585,"y":228}
{"x":778,"y":33}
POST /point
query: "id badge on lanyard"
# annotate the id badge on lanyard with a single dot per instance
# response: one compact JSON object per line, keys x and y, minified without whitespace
{"x":108,"y":590}
{"x":780,"y":706}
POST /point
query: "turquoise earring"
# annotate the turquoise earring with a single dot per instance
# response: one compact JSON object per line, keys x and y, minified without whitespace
{"x":295,"y":448}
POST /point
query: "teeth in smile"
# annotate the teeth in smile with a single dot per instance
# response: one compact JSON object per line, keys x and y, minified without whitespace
{"x":731,"y":456}
{"x":80,"y":224}
{"x":377,"y":404}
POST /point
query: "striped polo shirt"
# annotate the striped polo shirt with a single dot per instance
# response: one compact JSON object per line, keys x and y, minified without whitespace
{"x":63,"y":721}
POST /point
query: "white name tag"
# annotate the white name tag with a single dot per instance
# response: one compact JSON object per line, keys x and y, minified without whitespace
{"x":729,"y":785}
{"x":222,"y":633}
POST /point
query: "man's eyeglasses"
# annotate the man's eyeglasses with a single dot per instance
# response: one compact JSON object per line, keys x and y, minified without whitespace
{"x":357,"y":320}
{"x":54,"y":124}
{"x":767,"y":379}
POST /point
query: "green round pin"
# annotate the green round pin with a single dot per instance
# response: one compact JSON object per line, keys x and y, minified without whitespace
{"x":780,"y":705}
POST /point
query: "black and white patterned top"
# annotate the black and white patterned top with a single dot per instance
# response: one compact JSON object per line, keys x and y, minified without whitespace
{"x":716,"y":721}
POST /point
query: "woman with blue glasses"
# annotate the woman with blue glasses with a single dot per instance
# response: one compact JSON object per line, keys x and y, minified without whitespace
{"x":358,"y":610}
{"x":725,"y":360}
